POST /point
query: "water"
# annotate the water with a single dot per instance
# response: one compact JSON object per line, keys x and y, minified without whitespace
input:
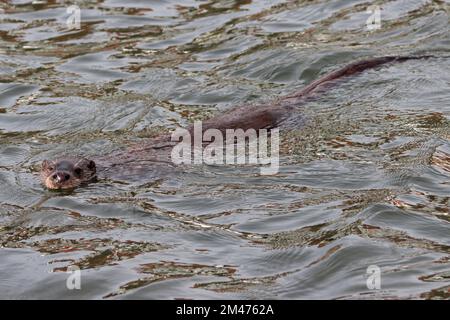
{"x":364,"y":181}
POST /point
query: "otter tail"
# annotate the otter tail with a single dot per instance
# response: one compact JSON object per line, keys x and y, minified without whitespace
{"x":350,"y":70}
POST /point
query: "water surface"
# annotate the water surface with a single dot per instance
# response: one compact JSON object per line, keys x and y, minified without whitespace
{"x":365,"y":180}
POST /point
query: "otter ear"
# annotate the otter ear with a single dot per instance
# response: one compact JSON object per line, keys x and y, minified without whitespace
{"x":91,"y":165}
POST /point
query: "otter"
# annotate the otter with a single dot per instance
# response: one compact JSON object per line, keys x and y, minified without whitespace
{"x":69,"y":172}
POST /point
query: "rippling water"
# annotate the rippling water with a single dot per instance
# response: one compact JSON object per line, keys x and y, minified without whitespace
{"x":364,"y":181}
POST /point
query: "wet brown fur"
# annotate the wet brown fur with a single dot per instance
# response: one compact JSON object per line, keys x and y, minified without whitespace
{"x":243,"y":117}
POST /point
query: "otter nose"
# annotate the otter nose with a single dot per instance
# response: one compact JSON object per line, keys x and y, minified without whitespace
{"x":61,"y":177}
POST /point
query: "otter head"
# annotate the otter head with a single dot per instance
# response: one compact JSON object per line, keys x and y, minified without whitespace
{"x":67,"y":173}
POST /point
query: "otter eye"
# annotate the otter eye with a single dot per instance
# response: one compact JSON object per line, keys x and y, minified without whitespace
{"x":78,"y":171}
{"x":91,"y":165}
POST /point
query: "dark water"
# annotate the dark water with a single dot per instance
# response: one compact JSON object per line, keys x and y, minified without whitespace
{"x":365,"y":181}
